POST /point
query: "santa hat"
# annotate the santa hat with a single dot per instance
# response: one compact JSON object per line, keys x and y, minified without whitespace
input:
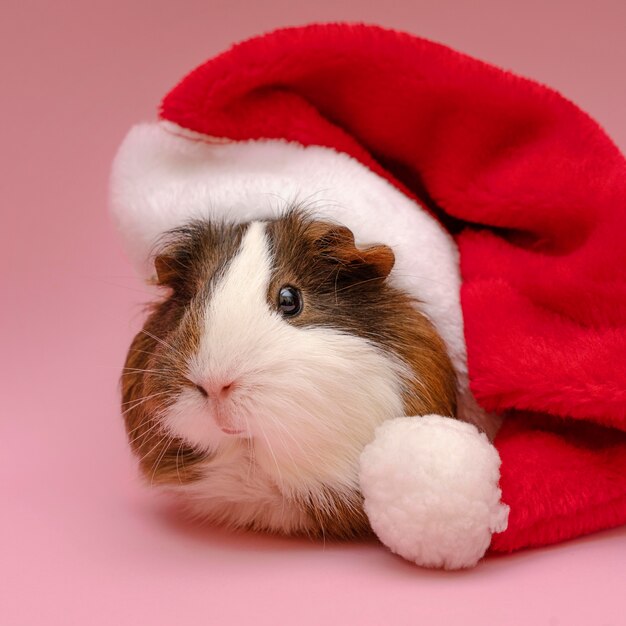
{"x":412,"y":144}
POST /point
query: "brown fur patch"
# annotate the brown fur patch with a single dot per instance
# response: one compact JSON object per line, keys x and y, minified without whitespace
{"x":344,"y":287}
{"x":188,"y":262}
{"x":334,"y":515}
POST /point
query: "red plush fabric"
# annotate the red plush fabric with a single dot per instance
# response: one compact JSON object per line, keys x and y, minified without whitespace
{"x":535,"y":194}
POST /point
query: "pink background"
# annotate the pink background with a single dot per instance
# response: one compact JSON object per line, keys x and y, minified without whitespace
{"x":82,"y":541}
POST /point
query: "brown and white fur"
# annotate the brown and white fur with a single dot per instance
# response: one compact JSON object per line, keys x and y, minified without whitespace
{"x":257,"y":419}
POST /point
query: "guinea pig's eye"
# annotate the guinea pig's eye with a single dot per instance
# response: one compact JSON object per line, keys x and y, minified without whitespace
{"x":289,"y":301}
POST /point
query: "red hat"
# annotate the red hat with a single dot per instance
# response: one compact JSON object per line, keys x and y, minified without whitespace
{"x":526,"y":186}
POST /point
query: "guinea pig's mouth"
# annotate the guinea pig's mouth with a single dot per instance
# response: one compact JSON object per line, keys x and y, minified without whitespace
{"x":225,"y":420}
{"x":230,"y":431}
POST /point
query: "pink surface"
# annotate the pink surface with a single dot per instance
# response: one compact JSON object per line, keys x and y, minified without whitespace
{"x":82,"y":541}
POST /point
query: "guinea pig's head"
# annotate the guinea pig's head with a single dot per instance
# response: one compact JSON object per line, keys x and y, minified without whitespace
{"x":262,"y":373}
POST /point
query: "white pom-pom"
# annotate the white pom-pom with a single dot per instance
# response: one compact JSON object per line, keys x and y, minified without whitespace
{"x":431,"y":491}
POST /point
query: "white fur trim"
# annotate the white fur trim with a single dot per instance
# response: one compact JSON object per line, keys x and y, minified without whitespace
{"x":431,"y":490}
{"x":164,"y":175}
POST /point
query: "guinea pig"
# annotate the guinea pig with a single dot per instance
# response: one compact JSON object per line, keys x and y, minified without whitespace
{"x":261,"y":374}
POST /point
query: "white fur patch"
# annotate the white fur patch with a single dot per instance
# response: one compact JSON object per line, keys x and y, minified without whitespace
{"x":308,"y":399}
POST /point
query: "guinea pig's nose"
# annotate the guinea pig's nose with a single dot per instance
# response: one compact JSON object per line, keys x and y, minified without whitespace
{"x":216,"y":390}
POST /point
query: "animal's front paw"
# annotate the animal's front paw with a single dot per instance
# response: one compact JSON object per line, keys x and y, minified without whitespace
{"x":431,"y":490}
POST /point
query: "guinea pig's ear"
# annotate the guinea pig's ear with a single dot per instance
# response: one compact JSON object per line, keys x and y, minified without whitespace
{"x":337,"y":243}
{"x":380,"y":258}
{"x":165,"y":266}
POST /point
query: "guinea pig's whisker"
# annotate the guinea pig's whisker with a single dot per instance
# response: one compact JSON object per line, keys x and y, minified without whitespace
{"x":250,"y":445}
{"x":279,"y":432}
{"x":164,"y":369}
{"x":141,"y":401}
{"x":144,"y":352}
{"x":156,"y":393}
{"x":154,"y":447}
{"x":161,"y":457}
{"x":162,"y":342}
{"x":271,"y":451}
{"x":140,"y":425}
{"x":156,"y":375}
{"x":143,"y":433}
{"x":151,"y":437}
{"x":131,"y":370}
{"x":156,"y":463}
{"x":182,"y":458}
{"x":180,"y":447}
{"x":286,"y":431}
